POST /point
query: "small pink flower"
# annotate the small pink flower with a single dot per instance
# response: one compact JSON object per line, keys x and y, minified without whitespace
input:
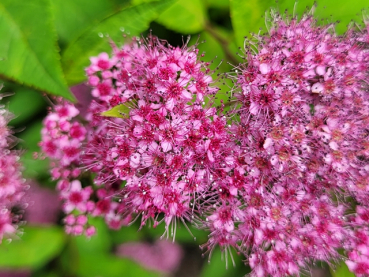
{"x":12,"y":185}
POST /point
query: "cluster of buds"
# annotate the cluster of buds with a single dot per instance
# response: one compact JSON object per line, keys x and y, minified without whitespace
{"x":12,"y":184}
{"x":280,"y":183}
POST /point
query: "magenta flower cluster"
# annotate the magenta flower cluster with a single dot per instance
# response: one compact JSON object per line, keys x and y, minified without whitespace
{"x":282,"y":177}
{"x":303,"y":139}
{"x":12,"y":184}
{"x":152,"y":161}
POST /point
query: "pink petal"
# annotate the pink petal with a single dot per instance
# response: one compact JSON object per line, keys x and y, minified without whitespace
{"x":264,"y":68}
{"x":210,"y":156}
{"x":166,"y":145}
{"x":317,"y":88}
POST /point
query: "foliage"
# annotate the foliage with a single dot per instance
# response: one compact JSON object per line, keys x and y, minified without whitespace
{"x":37,"y":246}
{"x":44,"y":47}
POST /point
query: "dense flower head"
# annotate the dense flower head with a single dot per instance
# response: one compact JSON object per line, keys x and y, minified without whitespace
{"x":285,"y":183}
{"x":156,"y":154}
{"x":303,"y":109}
{"x":12,"y":184}
{"x":168,"y":141}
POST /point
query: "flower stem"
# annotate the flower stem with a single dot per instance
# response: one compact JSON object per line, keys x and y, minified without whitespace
{"x":223,"y":42}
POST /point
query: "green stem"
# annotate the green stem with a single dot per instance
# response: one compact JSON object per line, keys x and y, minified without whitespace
{"x":223,"y":43}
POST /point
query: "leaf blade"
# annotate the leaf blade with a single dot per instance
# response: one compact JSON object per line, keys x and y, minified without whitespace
{"x":28,"y":52}
{"x":22,"y":108}
{"x":73,"y":17}
{"x":341,"y":271}
{"x":120,"y":111}
{"x":189,"y":16}
{"x":134,"y":20}
{"x":247,"y":16}
{"x":38,"y":246}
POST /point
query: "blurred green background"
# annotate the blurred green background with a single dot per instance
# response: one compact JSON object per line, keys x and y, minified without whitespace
{"x":45,"y":46}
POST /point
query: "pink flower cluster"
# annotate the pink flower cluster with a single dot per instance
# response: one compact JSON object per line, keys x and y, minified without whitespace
{"x":12,"y":185}
{"x":62,"y":138}
{"x":155,"y":158}
{"x":303,"y":164}
{"x":164,"y":149}
{"x":279,"y":183}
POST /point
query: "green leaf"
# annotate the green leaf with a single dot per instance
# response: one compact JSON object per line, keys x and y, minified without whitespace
{"x":100,"y":243}
{"x":133,"y":20}
{"x":34,"y":249}
{"x":121,"y":111}
{"x":247,"y":16}
{"x":126,"y":234}
{"x":341,"y":271}
{"x":339,"y":10}
{"x":73,"y":17}
{"x":25,"y":104}
{"x":31,"y":136}
{"x":224,"y":4}
{"x":29,"y":139}
{"x":139,"y":2}
{"x":35,"y":169}
{"x":185,"y":16}
{"x":46,"y":273}
{"x":181,"y":235}
{"x":212,"y":48}
{"x":78,"y":247}
{"x":216,"y":267}
{"x":105,"y":265}
{"x":28,"y":49}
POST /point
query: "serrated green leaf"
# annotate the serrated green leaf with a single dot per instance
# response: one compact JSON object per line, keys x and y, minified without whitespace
{"x":133,"y":20}
{"x":121,"y":111}
{"x":185,"y":16}
{"x":341,"y":271}
{"x":73,"y":17}
{"x":28,"y":48}
{"x":34,"y":249}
